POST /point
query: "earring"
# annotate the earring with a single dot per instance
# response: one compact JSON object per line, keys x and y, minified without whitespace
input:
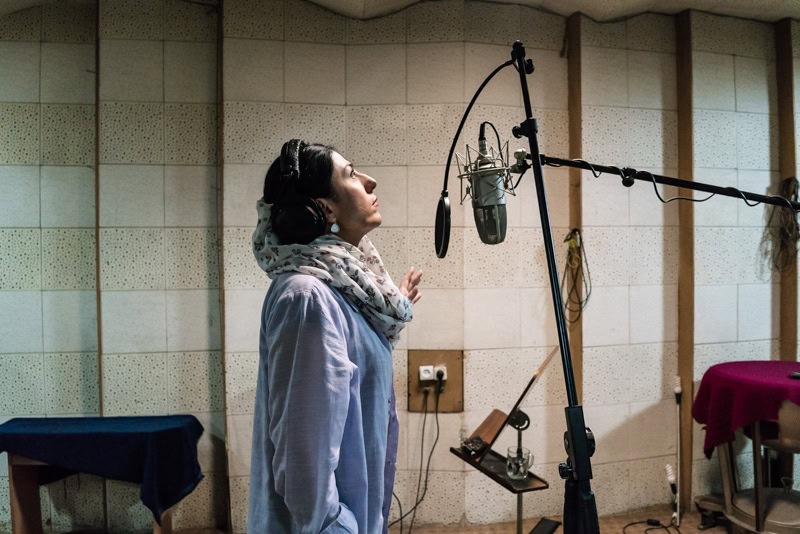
{"x":335,"y":228}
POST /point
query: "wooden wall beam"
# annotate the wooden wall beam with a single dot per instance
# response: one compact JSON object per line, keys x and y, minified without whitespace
{"x":98,"y":299}
{"x":788,"y":165}
{"x":787,"y":161}
{"x":683,"y":59}
{"x":221,"y":246}
{"x":575,"y":199}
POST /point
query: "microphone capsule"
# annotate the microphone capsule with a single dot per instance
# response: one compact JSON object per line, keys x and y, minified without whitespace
{"x":491,"y":223}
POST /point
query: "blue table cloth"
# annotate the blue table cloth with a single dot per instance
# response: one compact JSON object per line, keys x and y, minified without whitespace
{"x":160,"y":453}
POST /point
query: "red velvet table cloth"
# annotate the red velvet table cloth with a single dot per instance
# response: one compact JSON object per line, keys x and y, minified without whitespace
{"x":736,"y":394}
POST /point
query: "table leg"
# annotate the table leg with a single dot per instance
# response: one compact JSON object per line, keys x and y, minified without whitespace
{"x":519,"y":513}
{"x":758,"y":477}
{"x":166,"y":524}
{"x":26,"y":508}
{"x":786,"y":465}
{"x":725,"y":454}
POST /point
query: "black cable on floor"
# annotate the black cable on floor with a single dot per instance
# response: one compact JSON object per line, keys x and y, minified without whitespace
{"x":653,"y":524}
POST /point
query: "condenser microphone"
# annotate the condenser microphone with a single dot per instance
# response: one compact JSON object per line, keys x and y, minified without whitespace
{"x":486,"y":181}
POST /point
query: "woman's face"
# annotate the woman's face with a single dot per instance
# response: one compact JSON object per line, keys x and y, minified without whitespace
{"x":355,"y":208}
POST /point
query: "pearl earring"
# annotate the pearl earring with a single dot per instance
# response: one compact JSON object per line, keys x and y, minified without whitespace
{"x":335,"y":228}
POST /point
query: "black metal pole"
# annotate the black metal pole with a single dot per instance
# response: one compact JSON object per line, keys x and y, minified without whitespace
{"x":528,"y":129}
{"x":629,"y":174}
{"x":580,"y":510}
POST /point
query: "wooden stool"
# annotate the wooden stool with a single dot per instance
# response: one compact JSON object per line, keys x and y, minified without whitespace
{"x":26,"y":506}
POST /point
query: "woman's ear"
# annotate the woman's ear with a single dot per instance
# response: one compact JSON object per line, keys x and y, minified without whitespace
{"x":328,"y":207}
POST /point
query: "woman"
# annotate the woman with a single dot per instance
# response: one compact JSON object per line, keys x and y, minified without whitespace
{"x":325,"y":426}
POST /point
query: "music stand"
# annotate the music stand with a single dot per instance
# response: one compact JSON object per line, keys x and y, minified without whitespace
{"x":493,"y":464}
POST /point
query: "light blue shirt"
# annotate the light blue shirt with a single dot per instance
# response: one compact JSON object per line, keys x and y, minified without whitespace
{"x":325,"y":427}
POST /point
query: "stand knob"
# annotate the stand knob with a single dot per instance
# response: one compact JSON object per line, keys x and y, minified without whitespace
{"x":519,"y":420}
{"x":564,"y":470}
{"x":590,"y":442}
{"x":627,"y":179}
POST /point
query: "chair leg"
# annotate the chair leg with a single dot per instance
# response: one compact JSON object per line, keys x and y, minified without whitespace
{"x":758,"y":477}
{"x":26,"y":509}
{"x":725,"y":454}
{"x":166,"y":524}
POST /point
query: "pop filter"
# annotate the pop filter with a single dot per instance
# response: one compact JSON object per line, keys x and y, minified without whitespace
{"x":442,"y":225}
{"x":443,"y":209}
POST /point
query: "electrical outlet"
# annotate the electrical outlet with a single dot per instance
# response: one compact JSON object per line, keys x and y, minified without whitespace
{"x":426,"y":373}
{"x":443,"y":369}
{"x":422,"y":368}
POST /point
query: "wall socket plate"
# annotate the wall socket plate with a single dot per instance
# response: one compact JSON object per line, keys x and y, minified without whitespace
{"x":451,"y":399}
{"x":426,"y":373}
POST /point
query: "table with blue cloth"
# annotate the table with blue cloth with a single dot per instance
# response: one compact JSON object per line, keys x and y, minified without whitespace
{"x":160,"y":453}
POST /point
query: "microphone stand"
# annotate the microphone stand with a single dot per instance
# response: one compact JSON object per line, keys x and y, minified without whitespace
{"x":580,"y":509}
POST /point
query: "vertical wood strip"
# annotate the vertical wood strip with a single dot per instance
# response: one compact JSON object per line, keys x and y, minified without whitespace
{"x":787,"y":158}
{"x":575,"y":199}
{"x":97,"y":209}
{"x":683,"y":58}
{"x":788,"y":165}
{"x":99,"y":308}
{"x":220,"y":248}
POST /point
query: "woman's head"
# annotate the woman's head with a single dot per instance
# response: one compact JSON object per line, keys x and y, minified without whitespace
{"x":344,"y":195}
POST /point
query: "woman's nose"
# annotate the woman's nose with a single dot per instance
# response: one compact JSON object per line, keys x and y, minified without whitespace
{"x":369,"y":183}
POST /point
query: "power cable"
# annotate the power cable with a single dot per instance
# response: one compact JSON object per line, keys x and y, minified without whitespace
{"x":418,"y":499}
{"x":430,"y":455}
{"x":576,"y":266}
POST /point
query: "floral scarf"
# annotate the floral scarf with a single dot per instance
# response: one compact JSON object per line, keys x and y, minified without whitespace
{"x":357,"y":272}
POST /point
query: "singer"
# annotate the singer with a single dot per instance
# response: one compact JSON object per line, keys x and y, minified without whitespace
{"x":325,"y":427}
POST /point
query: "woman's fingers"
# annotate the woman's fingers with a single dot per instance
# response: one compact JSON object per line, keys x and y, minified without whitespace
{"x":408,"y":287}
{"x":410,"y":279}
{"x":407,"y":278}
{"x":414,"y":295}
{"x":404,"y":283}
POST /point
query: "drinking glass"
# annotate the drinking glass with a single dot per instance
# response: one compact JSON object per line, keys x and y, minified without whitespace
{"x":518,"y":460}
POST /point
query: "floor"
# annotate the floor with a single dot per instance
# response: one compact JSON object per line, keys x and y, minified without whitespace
{"x":608,"y":525}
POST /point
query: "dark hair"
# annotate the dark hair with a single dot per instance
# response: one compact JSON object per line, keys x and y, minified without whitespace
{"x":293,"y":222}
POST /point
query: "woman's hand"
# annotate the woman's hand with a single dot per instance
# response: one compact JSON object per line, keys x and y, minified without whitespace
{"x":408,"y":287}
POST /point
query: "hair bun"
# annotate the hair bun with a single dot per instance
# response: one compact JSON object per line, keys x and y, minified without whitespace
{"x":274,"y":184}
